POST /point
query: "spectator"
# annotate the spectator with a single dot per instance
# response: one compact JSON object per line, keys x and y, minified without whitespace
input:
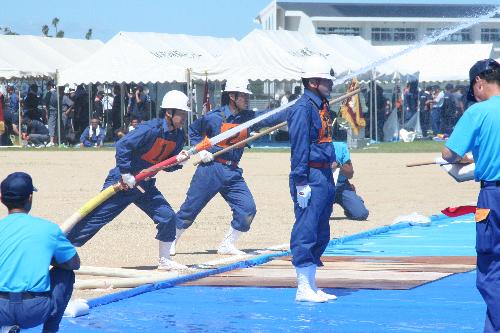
{"x":136,"y":104}
{"x":30,"y":293}
{"x":68,"y":113}
{"x":81,"y":108}
{"x":297,"y":91}
{"x":285,"y":98}
{"x":458,"y":97}
{"x":36,"y":134}
{"x":146,"y":113}
{"x":116,"y":108}
{"x":50,"y":103}
{"x":98,"y":106}
{"x":93,"y":135}
{"x":13,"y":106}
{"x":425,"y":100}
{"x":448,"y":110}
{"x":107,"y":103}
{"x":133,"y":124}
{"x":437,"y":105}
{"x":119,"y":133}
{"x":11,"y":119}
{"x":410,"y":100}
{"x":31,"y":103}
{"x":381,"y":110}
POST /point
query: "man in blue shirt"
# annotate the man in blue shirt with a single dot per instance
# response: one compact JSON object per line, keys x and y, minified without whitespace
{"x":478,"y":130}
{"x":345,"y":192}
{"x":93,"y":135}
{"x":222,"y":174}
{"x":311,"y":179}
{"x":149,"y":144}
{"x":30,"y":294}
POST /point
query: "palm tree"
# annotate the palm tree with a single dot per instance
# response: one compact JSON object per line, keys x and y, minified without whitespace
{"x":60,"y":34}
{"x":45,"y":30}
{"x":55,"y":22}
{"x":88,"y":35}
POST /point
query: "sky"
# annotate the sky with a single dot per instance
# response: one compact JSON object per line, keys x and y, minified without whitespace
{"x":219,"y":18}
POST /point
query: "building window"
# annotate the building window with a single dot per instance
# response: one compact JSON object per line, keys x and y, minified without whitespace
{"x":345,"y":31}
{"x":405,"y":34}
{"x":321,"y":30}
{"x":463,"y":35}
{"x":490,"y":35}
{"x":382,"y":34}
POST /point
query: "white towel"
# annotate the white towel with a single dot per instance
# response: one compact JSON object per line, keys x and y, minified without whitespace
{"x":97,"y":131}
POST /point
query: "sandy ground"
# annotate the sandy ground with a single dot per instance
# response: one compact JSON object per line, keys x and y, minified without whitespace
{"x":67,"y":179}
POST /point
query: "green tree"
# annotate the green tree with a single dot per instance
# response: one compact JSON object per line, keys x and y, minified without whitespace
{"x":45,"y":30}
{"x":88,"y":35}
{"x":60,"y":34}
{"x":55,"y":22}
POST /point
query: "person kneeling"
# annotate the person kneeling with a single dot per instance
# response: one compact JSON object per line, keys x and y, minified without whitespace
{"x":30,"y":293}
{"x":345,"y":192}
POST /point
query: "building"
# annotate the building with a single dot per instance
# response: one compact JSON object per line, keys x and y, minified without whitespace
{"x":384,"y":23}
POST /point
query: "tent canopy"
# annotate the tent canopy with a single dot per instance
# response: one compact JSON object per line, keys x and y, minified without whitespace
{"x":253,"y":58}
{"x":34,"y":56}
{"x":440,"y":62}
{"x":121,"y":60}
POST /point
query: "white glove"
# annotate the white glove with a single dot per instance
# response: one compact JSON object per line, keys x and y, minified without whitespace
{"x":303,"y":195}
{"x":182,"y":157}
{"x":206,"y":156}
{"x":128,"y":179}
{"x":440,"y":160}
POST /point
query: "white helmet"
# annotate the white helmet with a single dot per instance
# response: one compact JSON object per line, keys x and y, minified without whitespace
{"x":317,"y":66}
{"x":175,"y":99}
{"x":237,"y":86}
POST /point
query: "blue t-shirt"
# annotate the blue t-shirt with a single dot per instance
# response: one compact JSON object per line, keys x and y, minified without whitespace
{"x":27,"y":246}
{"x":341,"y":156}
{"x":478,"y":130}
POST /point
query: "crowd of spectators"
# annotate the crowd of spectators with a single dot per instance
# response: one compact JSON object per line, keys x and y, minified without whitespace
{"x":32,"y":114}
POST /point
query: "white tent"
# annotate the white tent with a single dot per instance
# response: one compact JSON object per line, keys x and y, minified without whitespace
{"x":253,"y":58}
{"x":33,"y":56}
{"x":301,"y":45}
{"x":187,"y":51}
{"x":440,"y":62}
{"x":122,"y":60}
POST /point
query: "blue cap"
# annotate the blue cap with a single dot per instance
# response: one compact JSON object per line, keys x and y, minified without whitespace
{"x":17,"y":186}
{"x":478,"y":68}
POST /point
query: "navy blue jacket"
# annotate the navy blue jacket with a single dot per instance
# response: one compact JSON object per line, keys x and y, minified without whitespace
{"x":37,"y":127}
{"x":150,"y":143}
{"x":304,"y":125}
{"x":221,"y":120}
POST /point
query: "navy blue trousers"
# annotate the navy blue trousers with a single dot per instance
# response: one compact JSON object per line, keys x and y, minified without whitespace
{"x":210,"y":179}
{"x":311,"y":231}
{"x":150,"y":202}
{"x":46,"y":310}
{"x":488,"y":256}
{"x":353,"y":205}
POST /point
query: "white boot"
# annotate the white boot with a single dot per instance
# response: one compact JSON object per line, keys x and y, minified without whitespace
{"x":312,"y":282}
{"x":228,"y":243}
{"x":166,"y":263}
{"x":305,"y":293}
{"x":178,"y":233}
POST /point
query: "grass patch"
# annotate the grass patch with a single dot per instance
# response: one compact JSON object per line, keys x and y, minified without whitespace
{"x":427,"y":146}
